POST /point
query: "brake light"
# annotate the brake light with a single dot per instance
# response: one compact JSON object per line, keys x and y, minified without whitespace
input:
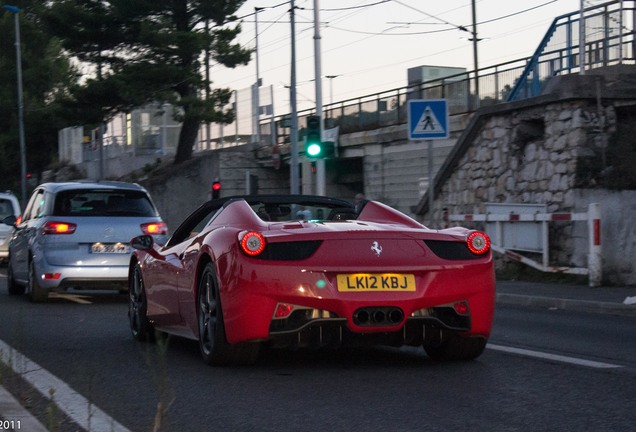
{"x":478,"y":243}
{"x":154,"y":228}
{"x":58,"y":228}
{"x":253,"y":243}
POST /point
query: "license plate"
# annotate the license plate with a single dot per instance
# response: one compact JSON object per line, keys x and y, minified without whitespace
{"x":358,"y":282}
{"x":110,"y":248}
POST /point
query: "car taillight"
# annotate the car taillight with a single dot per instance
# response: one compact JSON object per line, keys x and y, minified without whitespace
{"x":58,"y":228}
{"x":154,"y":228}
{"x":478,"y":243}
{"x":253,"y":243}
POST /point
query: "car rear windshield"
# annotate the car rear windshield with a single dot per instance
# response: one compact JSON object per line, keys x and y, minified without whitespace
{"x":101,"y":202}
{"x":6,"y":208}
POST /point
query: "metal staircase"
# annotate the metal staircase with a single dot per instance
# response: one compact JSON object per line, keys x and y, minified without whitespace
{"x":607,"y":37}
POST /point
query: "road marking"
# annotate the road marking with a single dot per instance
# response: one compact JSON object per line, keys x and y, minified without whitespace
{"x":555,"y":357}
{"x":77,"y":298}
{"x":82,"y":411}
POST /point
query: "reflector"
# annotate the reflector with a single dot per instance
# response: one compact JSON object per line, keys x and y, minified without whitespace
{"x":461,"y":308}
{"x":283,"y":310}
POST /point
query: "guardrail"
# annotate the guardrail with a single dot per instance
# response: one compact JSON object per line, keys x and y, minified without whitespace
{"x":541,"y":220}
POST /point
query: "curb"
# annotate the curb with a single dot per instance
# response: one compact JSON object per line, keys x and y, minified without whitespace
{"x":568,"y":304}
{"x":16,"y":416}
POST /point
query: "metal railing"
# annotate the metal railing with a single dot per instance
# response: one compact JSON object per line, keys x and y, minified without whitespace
{"x":609,"y":40}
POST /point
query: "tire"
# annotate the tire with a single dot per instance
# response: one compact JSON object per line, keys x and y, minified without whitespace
{"x":37,"y":294}
{"x":140,"y":326}
{"x":12,"y":286}
{"x":213,"y":344}
{"x":456,"y":348}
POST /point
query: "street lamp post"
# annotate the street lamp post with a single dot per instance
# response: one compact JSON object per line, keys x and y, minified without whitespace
{"x":15,"y":10}
{"x":331,"y":78}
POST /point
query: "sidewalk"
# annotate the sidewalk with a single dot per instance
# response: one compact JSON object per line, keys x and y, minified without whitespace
{"x":582,"y":298}
{"x":606,"y":300}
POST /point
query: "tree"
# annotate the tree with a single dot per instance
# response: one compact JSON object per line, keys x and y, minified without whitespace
{"x":47,"y":75}
{"x":147,"y":51}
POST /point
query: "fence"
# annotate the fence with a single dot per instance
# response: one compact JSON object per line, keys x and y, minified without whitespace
{"x":502,"y":245}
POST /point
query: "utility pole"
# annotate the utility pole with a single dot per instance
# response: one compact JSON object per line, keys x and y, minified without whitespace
{"x":475,"y":58}
{"x":257,"y":87}
{"x":582,"y":38}
{"x":208,"y":136}
{"x":293,"y":165}
{"x":320,"y":163}
{"x":18,"y":60}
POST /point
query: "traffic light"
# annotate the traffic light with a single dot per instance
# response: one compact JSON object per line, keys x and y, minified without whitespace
{"x":313,"y":143}
{"x":216,"y":189}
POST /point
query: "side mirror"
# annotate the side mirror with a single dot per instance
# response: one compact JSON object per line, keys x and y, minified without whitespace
{"x":10,"y":220}
{"x":143,"y":242}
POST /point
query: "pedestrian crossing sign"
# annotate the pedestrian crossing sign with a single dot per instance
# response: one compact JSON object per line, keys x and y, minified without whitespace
{"x":428,"y":119}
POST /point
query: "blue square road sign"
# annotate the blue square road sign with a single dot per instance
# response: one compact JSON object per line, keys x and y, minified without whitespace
{"x":428,"y":119}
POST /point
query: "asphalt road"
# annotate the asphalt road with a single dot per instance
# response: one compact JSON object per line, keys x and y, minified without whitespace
{"x":545,"y":370}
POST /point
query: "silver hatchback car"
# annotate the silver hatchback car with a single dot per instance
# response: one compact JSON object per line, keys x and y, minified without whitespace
{"x":9,"y":206}
{"x":77,"y":235}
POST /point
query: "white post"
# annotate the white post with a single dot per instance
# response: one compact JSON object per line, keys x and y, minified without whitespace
{"x":594,"y":259}
{"x":545,"y":243}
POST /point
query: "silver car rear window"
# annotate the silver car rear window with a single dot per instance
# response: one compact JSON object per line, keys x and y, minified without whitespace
{"x":101,"y":202}
{"x":6,"y":208}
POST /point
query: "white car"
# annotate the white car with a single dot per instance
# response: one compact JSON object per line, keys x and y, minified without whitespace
{"x":77,"y":234}
{"x":9,"y":206}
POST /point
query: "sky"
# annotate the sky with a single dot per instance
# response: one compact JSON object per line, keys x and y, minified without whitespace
{"x":367,"y":46}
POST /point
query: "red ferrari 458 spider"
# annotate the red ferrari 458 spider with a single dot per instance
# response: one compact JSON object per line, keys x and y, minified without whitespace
{"x":306,"y":271}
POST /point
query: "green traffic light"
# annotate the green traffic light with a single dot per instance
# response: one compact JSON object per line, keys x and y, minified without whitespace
{"x":314,"y":149}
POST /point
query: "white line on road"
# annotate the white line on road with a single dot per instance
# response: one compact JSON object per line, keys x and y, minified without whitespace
{"x":555,"y":357}
{"x":82,"y":411}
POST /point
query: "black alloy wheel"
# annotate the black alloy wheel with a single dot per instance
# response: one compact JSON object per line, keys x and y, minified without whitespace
{"x":456,"y":348}
{"x":36,"y":292}
{"x":12,"y":286}
{"x":140,"y":326}
{"x":215,"y":349}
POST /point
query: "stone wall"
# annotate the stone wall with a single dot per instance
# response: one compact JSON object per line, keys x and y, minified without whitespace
{"x":527,"y":156}
{"x":529,"y":153}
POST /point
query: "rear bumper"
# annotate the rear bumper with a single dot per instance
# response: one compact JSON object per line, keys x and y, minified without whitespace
{"x":334,"y":332}
{"x":249,"y":305}
{"x":89,"y":277}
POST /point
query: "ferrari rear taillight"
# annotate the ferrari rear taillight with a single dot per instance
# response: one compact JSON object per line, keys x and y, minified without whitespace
{"x":154,"y":228}
{"x":58,"y":228}
{"x":478,"y":243}
{"x":253,"y":243}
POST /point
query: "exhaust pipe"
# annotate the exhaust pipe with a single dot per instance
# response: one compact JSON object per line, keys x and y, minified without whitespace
{"x":361,"y":317}
{"x":378,"y":316}
{"x":396,"y":316}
